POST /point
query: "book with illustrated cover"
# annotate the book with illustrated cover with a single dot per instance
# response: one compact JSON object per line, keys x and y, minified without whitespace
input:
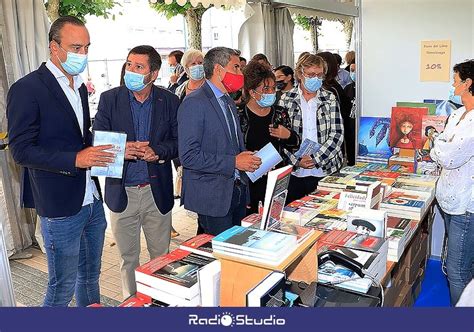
{"x":175,"y":272}
{"x":275,"y":196}
{"x":307,"y":148}
{"x":373,"y":138}
{"x":300,"y":232}
{"x":325,"y":194}
{"x":200,"y":244}
{"x":326,"y":223}
{"x":443,"y":107}
{"x":254,"y":240}
{"x":432,"y":126}
{"x":118,"y":140}
{"x":269,"y":157}
{"x":406,"y":124}
{"x":352,"y":240}
{"x":368,"y":221}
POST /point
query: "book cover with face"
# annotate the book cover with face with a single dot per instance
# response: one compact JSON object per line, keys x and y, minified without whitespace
{"x":406,"y":127}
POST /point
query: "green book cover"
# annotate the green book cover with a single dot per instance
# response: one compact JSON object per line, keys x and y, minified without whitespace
{"x":431,"y":107}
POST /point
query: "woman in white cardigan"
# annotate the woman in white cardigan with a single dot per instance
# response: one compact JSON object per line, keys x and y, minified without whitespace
{"x":454,"y":151}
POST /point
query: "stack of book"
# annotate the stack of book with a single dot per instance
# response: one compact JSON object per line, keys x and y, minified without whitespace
{"x":418,"y":179}
{"x":256,"y":245}
{"x":253,"y":219}
{"x":362,"y":194}
{"x":413,"y":189}
{"x":403,"y":205}
{"x":173,"y":278}
{"x":303,"y":210}
{"x":324,"y":222}
{"x":335,"y":182}
{"x":374,"y":158}
{"x":398,"y":233}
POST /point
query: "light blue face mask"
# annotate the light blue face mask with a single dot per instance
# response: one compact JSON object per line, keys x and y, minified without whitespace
{"x":75,"y":63}
{"x":135,"y":81}
{"x":312,"y":84}
{"x":266,"y":99}
{"x":353,"y":76}
{"x":196,"y":72}
{"x":455,"y":99}
{"x":172,"y":69}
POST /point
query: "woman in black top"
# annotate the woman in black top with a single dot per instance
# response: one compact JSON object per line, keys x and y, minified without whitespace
{"x":345,"y":105}
{"x":262,"y":122}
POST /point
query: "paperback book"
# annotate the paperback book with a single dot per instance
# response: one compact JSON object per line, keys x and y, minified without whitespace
{"x":269,"y":157}
{"x":118,"y":140}
{"x":406,"y":124}
{"x":373,"y":138}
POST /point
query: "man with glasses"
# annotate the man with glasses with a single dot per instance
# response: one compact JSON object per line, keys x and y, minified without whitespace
{"x":315,"y":113}
{"x":211,"y":147}
{"x":48,"y":126}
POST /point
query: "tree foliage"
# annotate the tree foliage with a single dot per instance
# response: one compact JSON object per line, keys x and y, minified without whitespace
{"x":80,"y":8}
{"x":192,"y":15}
{"x":311,"y":24}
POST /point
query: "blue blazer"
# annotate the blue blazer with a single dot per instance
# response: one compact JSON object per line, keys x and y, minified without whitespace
{"x":114,"y":114}
{"x":45,"y":137}
{"x":206,"y":153}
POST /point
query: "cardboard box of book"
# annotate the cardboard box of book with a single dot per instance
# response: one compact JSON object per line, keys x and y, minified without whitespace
{"x":405,"y":298}
{"x":393,"y":289}
{"x":419,"y":261}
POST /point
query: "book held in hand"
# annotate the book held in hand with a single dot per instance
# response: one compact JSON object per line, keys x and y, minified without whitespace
{"x":118,"y":140}
{"x":270,"y":158}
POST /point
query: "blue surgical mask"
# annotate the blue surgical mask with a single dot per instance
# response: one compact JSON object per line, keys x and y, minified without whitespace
{"x":135,"y":81}
{"x":455,"y":99}
{"x":75,"y":63}
{"x":172,"y":69}
{"x":196,"y":72}
{"x":353,"y":76}
{"x":266,"y":99}
{"x":312,"y":84}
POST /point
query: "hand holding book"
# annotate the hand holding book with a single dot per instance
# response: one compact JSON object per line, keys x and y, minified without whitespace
{"x":306,"y":162}
{"x":95,"y":156}
{"x":247,"y":161}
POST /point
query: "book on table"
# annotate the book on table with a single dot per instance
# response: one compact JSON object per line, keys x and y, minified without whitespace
{"x":270,"y":292}
{"x":275,"y":196}
{"x":368,"y":221}
{"x":118,"y":140}
{"x":200,"y":244}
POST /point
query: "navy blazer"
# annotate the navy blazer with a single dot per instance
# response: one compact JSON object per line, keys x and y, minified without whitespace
{"x":206,"y":153}
{"x":45,"y":138}
{"x":115,"y":114}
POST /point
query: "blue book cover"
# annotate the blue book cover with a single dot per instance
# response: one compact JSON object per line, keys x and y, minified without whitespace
{"x":374,"y":136}
{"x":255,"y":240}
{"x":270,"y":158}
{"x":308,"y":147}
{"x":118,"y":140}
{"x":443,"y":107}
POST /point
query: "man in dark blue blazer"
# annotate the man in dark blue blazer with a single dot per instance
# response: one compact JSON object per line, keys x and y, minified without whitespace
{"x":49,"y":130}
{"x":211,"y":147}
{"x":143,"y":197}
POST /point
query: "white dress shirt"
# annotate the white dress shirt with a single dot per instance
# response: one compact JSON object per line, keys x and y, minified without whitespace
{"x":74,"y":98}
{"x":454,"y":151}
{"x":310,"y":130}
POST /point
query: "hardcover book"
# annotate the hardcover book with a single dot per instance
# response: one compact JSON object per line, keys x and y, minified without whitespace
{"x":118,"y":140}
{"x":431,"y":107}
{"x":405,"y":130}
{"x":432,"y":126}
{"x":368,"y":222}
{"x":200,"y":244}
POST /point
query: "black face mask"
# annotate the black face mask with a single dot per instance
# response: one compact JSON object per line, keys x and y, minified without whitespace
{"x":280,"y":85}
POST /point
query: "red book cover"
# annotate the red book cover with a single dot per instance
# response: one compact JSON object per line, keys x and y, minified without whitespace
{"x":197,"y":241}
{"x":406,"y":127}
{"x":159,"y":262}
{"x":138,"y":301}
{"x":380,"y":174}
{"x":352,"y":240}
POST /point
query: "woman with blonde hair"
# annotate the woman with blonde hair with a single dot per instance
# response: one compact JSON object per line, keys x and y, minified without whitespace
{"x":192,"y":63}
{"x":314,"y":112}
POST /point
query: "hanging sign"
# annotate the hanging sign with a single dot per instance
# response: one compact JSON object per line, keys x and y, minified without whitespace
{"x":435,"y":64}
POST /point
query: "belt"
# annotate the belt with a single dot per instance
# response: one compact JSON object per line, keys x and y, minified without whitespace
{"x":141,"y":185}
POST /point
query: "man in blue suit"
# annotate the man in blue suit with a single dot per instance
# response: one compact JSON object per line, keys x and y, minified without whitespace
{"x":49,"y":130}
{"x":143,"y":198}
{"x":211,"y":147}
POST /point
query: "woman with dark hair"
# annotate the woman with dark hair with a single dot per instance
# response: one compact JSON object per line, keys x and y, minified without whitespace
{"x":285,"y":78}
{"x":261,"y":58}
{"x":262,"y":122}
{"x":345,"y":105}
{"x":454,"y":151}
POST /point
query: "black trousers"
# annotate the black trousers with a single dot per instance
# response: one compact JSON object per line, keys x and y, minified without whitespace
{"x":300,"y":187}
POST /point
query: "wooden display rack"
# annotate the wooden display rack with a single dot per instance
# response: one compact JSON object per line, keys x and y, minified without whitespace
{"x":239,"y":276}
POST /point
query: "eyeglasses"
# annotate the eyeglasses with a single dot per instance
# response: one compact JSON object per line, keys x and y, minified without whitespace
{"x":312,"y":75}
{"x":266,"y":89}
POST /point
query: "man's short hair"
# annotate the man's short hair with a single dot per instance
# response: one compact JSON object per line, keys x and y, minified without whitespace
{"x":217,"y":55}
{"x":154,"y":59}
{"x":55,"y":30}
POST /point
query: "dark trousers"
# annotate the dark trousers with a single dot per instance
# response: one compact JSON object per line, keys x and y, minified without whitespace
{"x":300,"y":187}
{"x":217,"y":225}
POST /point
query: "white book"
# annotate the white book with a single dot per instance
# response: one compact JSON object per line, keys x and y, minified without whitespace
{"x":210,"y":284}
{"x":168,"y":298}
{"x":267,"y":291}
{"x":269,"y":157}
{"x":118,"y":140}
{"x":368,"y":221}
